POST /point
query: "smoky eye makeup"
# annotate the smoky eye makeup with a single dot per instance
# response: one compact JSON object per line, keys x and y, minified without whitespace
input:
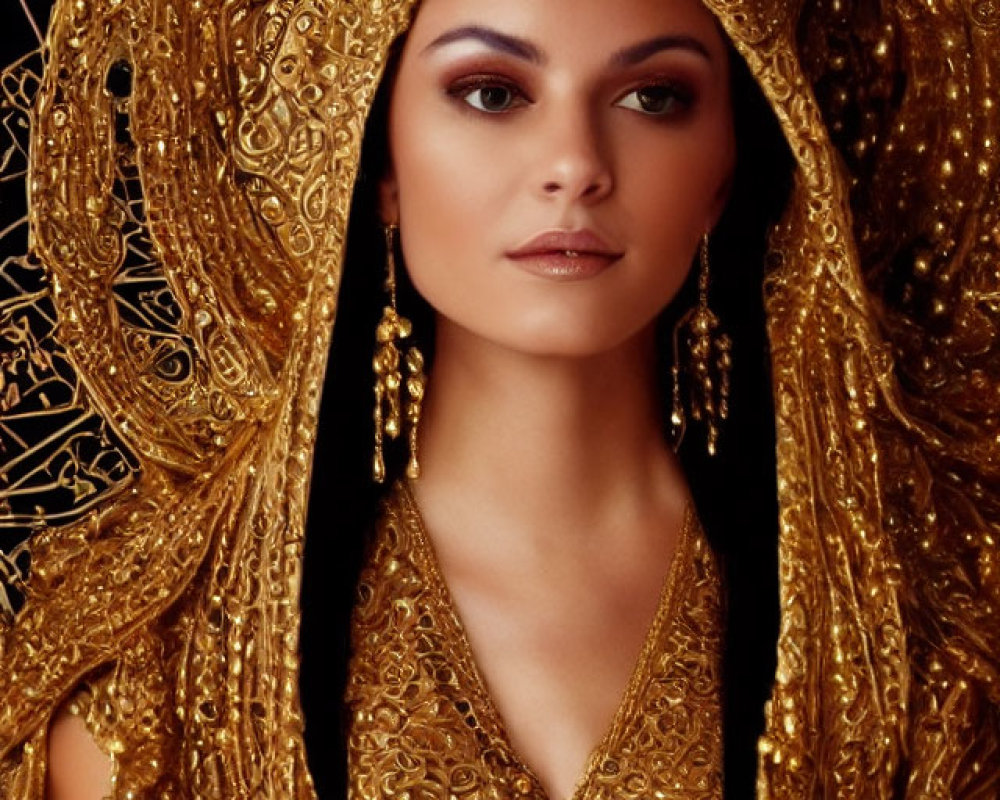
{"x":670,"y":85}
{"x":488,"y":93}
{"x":660,"y":95}
{"x":485,"y":83}
{"x":661,"y":99}
{"x":657,"y":99}
{"x":488,"y":83}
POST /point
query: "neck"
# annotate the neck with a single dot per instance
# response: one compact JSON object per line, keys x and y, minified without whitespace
{"x":578,"y":441}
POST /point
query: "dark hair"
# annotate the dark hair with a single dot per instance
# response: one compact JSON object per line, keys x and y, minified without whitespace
{"x":743,"y":529}
{"x":735,"y":491}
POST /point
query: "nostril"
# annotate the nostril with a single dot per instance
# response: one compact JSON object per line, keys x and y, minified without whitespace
{"x":551,"y":187}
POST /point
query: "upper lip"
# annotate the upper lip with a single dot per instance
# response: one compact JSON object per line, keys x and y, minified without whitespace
{"x":561,"y":241}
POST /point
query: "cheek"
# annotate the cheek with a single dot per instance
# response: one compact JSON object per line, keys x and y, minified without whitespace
{"x":444,"y":162}
{"x":679,"y":184}
{"x":673,"y":194}
{"x":441,"y":187}
{"x":452,"y":192}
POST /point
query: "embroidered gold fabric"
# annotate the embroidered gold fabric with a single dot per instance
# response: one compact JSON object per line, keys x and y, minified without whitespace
{"x":422,"y":722}
{"x":165,"y":322}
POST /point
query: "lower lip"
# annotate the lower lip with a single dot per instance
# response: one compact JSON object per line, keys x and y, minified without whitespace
{"x":561,"y":267}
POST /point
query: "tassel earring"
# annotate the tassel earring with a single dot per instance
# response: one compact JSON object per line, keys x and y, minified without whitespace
{"x":708,"y":355}
{"x":388,"y":375}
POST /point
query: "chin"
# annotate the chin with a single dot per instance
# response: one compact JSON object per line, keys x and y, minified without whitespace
{"x":580,"y":339}
{"x":565,"y":328}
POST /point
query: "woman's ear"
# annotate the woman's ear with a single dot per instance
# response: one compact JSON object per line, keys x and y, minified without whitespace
{"x":388,"y":198}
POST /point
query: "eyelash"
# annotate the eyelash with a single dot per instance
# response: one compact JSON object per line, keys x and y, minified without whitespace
{"x":682,"y":94}
{"x":461,"y":89}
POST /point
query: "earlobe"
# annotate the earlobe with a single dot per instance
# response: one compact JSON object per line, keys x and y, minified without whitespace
{"x":388,"y":199}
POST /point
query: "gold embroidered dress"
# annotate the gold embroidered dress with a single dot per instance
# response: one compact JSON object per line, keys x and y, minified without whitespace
{"x":166,"y":316}
{"x":422,"y":721}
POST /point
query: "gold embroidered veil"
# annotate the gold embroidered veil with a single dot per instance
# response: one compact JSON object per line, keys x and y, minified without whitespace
{"x":166,"y":321}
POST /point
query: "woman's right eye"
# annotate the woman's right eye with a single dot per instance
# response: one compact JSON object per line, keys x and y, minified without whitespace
{"x":490,"y":97}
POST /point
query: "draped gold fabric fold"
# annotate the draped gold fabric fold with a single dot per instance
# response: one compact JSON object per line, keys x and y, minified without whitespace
{"x":190,"y":175}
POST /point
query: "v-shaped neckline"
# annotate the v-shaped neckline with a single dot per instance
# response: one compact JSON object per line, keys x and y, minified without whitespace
{"x":486,"y":709}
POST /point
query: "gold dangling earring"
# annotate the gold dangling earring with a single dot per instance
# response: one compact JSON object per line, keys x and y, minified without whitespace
{"x":709,"y":361}
{"x":415,"y":389}
{"x":388,"y":377}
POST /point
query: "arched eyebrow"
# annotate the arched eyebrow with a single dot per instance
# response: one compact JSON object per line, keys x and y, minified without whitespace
{"x":637,"y":53}
{"x":525,"y":50}
{"x":505,"y":43}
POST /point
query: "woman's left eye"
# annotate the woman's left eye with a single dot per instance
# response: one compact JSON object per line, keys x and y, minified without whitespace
{"x":658,"y":100}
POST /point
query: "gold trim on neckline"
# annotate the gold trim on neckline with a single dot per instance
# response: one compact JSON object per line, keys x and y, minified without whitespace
{"x":426,"y":559}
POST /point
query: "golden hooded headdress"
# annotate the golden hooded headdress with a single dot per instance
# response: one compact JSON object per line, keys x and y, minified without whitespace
{"x":165,"y":330}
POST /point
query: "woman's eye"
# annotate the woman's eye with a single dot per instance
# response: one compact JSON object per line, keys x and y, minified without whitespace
{"x":492,"y":98}
{"x":657,"y":100}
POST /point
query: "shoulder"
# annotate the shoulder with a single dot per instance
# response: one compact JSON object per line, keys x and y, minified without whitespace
{"x":78,"y":768}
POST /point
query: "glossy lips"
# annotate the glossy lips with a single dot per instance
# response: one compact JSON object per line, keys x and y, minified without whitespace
{"x":565,"y":255}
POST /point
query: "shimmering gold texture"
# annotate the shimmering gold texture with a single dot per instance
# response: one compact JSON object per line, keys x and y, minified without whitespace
{"x":422,"y":718}
{"x":245,"y":122}
{"x":187,"y":334}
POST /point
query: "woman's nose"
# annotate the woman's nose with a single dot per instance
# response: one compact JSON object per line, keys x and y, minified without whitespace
{"x":575,"y":163}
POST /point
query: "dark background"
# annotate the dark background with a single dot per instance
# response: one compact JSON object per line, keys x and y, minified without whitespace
{"x":16,"y":34}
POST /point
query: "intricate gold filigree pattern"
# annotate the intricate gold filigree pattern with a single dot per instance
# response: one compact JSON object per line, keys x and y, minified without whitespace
{"x":245,"y":121}
{"x":60,"y":458}
{"x":422,"y":720}
{"x":885,"y":379}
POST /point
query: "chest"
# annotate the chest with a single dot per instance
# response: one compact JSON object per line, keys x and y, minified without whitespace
{"x":425,"y":722}
{"x":555,"y":653}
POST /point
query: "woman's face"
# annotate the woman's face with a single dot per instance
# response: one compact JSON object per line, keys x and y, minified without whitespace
{"x":554,"y":163}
